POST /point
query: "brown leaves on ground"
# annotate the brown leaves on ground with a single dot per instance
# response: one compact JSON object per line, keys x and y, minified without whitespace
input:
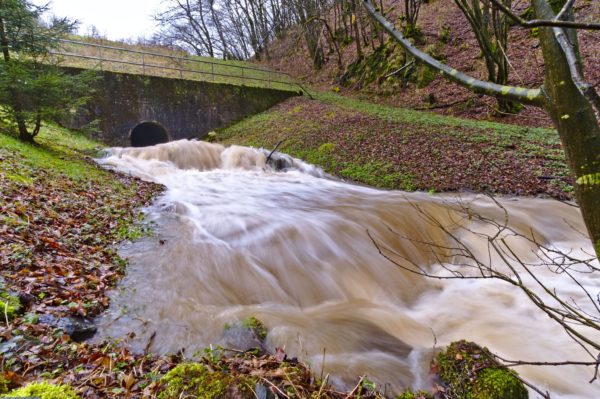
{"x":57,"y":242}
{"x":57,"y":254}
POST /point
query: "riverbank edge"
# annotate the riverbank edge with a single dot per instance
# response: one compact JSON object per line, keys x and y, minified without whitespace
{"x":394,"y":148}
{"x":63,"y":218}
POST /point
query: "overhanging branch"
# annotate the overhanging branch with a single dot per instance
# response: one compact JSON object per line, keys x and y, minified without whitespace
{"x":512,"y":93}
{"x":557,"y":23}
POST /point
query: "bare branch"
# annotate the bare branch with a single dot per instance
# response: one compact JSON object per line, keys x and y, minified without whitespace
{"x":454,"y":259}
{"x":512,"y":93}
{"x":586,"y":89}
{"x":566,"y":8}
{"x":512,"y":363}
{"x":534,"y":23}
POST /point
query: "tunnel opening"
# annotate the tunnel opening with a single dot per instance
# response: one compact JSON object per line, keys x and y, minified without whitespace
{"x":148,"y":133}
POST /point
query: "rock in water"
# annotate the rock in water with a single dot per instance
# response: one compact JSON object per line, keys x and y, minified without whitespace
{"x":78,"y":329}
{"x":244,"y":335}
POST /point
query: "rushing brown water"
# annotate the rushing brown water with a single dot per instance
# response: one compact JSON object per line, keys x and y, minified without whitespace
{"x":296,"y":250}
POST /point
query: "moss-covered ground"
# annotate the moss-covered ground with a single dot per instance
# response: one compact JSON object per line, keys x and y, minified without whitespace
{"x":395,"y":148}
{"x":471,"y":372}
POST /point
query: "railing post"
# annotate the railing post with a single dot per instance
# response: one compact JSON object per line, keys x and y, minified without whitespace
{"x":243,"y":78}
{"x":269,"y":75}
{"x":143,"y":64}
{"x":212,"y":71}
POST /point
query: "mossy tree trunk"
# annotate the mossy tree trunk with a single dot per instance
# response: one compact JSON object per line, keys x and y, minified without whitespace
{"x":572,"y":103}
{"x":575,"y":109}
{"x":355,"y":19}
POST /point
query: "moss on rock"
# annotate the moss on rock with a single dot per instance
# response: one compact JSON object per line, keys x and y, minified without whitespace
{"x":255,"y":325}
{"x":470,"y":372}
{"x":425,"y":76}
{"x":499,"y":383}
{"x":9,"y":305}
{"x":43,"y":390}
{"x":414,"y":395}
{"x":380,"y":67}
{"x":199,"y":381}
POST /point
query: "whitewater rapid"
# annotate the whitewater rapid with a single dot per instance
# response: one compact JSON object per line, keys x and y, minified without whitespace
{"x":236,"y":238}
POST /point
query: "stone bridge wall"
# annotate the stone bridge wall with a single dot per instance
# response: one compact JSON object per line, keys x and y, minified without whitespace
{"x":185,"y":108}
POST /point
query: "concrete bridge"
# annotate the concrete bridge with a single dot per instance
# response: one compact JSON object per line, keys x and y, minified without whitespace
{"x":159,"y":98}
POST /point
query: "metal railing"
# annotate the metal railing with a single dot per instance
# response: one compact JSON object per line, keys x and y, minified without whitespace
{"x":119,"y":59}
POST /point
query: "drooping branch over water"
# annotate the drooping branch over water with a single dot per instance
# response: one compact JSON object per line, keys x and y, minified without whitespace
{"x":541,"y":273}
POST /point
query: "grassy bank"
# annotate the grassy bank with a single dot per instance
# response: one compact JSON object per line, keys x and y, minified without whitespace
{"x":61,"y":217}
{"x":402,"y":149}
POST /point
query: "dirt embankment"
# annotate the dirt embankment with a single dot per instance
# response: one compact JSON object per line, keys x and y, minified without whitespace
{"x":448,"y":35}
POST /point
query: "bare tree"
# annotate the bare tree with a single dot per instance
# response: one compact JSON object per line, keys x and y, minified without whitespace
{"x":411,"y":14}
{"x":490,"y":26}
{"x":233,"y":28}
{"x":186,"y":26}
{"x":573,"y":104}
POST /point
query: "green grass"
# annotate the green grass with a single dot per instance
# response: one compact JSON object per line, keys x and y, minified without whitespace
{"x":379,"y":174}
{"x":471,"y":130}
{"x":430,"y":119}
{"x":57,"y":150}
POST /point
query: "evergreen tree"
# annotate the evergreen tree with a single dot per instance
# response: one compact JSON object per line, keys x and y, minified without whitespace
{"x":32,"y":86}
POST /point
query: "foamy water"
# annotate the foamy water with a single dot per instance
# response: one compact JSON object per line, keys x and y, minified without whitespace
{"x":234,"y":238}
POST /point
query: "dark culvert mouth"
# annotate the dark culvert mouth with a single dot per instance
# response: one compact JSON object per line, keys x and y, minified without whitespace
{"x":149,"y":133}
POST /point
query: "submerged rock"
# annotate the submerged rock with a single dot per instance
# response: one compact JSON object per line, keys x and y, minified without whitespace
{"x":244,"y":335}
{"x":469,"y":371}
{"x":78,"y":329}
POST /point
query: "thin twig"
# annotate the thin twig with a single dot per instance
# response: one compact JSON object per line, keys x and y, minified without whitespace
{"x":275,"y":386}
{"x":274,"y":149}
{"x":596,"y":369}
{"x":356,"y":387}
{"x":400,"y":69}
{"x":6,"y":314}
{"x":323,"y":364}
{"x":323,"y":383}
{"x":513,"y":363}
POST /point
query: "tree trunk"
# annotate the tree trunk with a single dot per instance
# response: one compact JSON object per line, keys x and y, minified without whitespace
{"x":576,"y":119}
{"x":359,"y":52}
{"x":16,"y":101}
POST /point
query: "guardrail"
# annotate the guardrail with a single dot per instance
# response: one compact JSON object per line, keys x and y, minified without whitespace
{"x":119,"y":59}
